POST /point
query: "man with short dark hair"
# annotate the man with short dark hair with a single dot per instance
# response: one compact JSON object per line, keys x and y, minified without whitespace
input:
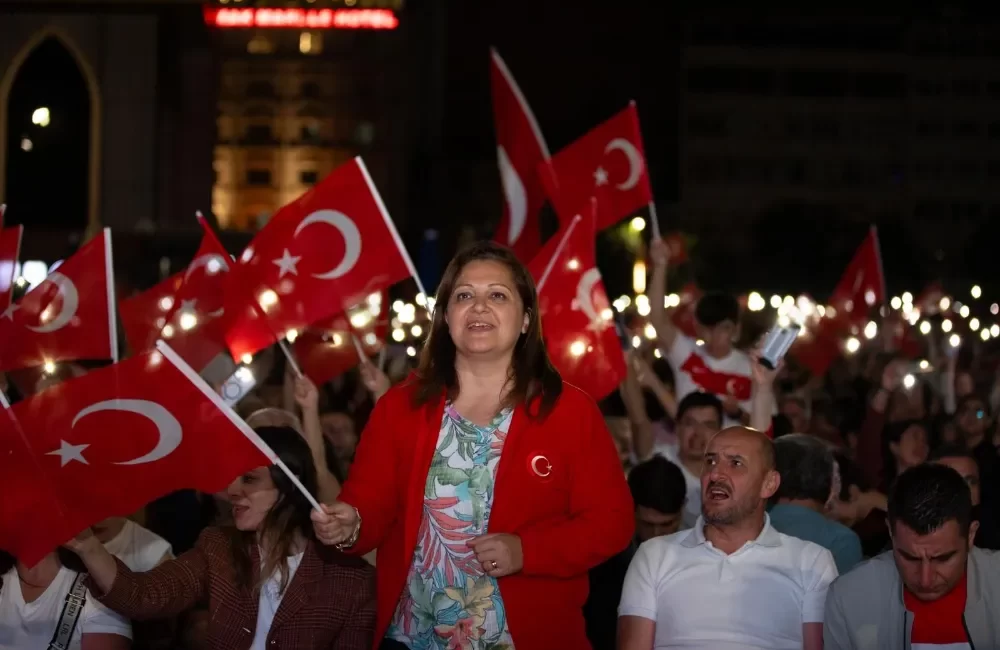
{"x":733,"y":582}
{"x":658,"y":491}
{"x":806,"y":467}
{"x":934,"y":589}
{"x":699,"y":417}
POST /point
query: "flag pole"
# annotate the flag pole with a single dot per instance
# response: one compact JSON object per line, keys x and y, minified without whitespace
{"x":362,"y":357}
{"x":110,"y":279}
{"x":654,"y":220}
{"x":559,"y":248}
{"x":290,"y":358}
{"x":237,"y":421}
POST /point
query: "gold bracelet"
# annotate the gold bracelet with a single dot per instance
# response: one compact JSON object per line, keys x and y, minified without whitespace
{"x":353,"y":539}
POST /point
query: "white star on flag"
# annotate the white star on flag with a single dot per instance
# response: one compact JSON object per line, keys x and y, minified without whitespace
{"x":68,"y":453}
{"x":188,"y":306}
{"x":9,"y":312}
{"x":286,"y":264}
{"x":600,"y":176}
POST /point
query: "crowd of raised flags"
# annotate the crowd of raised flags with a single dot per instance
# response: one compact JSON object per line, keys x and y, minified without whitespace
{"x":316,"y":276}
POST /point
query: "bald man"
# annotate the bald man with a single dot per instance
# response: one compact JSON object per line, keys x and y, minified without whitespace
{"x":732,"y":581}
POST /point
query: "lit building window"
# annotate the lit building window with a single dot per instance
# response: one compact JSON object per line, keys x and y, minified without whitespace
{"x":260,"y":44}
{"x":310,"y":43}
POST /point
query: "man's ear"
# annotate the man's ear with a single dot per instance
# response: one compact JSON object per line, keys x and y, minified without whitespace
{"x":771,"y":483}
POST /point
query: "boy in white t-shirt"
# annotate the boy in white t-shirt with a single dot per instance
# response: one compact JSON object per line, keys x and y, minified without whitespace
{"x":714,"y":366}
{"x":32,"y":603}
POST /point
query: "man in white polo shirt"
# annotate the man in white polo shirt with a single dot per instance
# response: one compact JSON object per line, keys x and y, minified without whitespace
{"x":733,"y":581}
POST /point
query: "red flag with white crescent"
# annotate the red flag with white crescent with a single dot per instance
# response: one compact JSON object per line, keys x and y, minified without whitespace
{"x":194,"y":326}
{"x":862,"y":286}
{"x":607,"y":163}
{"x":69,"y":316}
{"x":577,"y":320}
{"x":317,"y":256}
{"x":520,"y":149}
{"x":109,"y":442}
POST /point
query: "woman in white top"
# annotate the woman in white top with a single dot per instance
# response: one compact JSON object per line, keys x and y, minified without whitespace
{"x":34,"y":612}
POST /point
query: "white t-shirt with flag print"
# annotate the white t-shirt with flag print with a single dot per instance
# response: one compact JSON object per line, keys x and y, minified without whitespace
{"x":695,"y":370}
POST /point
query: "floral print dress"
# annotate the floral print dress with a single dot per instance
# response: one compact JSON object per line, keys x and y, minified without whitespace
{"x":449,"y":603}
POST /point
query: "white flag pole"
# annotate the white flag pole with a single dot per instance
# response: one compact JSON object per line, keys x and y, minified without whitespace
{"x":216,"y":399}
{"x":654,"y":220}
{"x":559,"y":248}
{"x":391,"y":226}
{"x":290,"y":358}
{"x":110,"y":279}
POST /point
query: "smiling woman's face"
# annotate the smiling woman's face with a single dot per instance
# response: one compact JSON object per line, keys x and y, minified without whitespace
{"x":485,"y":314}
{"x":252,"y":496}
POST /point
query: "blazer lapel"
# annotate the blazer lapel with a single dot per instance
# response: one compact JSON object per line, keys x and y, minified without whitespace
{"x":506,"y":470}
{"x":300,"y":590}
{"x":428,"y":429}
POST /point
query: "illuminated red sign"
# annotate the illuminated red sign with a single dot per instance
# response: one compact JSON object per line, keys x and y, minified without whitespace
{"x":301,"y":18}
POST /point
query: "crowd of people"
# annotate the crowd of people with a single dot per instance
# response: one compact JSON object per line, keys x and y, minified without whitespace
{"x":477,"y":501}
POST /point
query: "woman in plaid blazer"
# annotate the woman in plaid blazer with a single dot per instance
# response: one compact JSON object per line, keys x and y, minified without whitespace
{"x":268,"y":583}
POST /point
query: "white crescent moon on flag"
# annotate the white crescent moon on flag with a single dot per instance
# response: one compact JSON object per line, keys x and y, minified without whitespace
{"x":169,"y":429}
{"x":515,"y":195}
{"x":70,"y":303}
{"x":585,"y":293}
{"x":634,"y":162}
{"x":205,"y":260}
{"x":729,"y":388}
{"x":352,"y":240}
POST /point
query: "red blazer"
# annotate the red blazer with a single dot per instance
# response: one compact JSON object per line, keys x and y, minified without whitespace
{"x":569,"y":521}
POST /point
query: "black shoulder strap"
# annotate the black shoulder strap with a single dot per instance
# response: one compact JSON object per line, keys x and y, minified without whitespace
{"x":75,"y":600}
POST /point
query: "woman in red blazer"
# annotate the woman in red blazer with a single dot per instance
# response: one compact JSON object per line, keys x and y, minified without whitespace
{"x":488,"y":486}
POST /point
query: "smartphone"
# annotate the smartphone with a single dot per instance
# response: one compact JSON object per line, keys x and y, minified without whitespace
{"x":776,"y":344}
{"x":239,"y":384}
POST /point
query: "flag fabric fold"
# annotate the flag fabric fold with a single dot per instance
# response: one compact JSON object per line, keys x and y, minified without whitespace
{"x":577,"y":321}
{"x":520,"y":150}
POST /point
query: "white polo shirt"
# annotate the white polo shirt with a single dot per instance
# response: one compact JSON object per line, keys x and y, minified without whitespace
{"x":703,"y":599}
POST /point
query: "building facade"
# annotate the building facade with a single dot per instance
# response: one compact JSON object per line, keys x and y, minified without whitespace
{"x":299,"y":99}
{"x":140,"y":67}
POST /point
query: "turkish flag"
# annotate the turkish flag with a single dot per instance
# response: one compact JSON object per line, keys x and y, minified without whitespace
{"x":863,"y":284}
{"x":520,"y":149}
{"x":194,"y":327}
{"x":69,"y":316}
{"x":576,"y":316}
{"x":328,"y":349}
{"x":144,"y":314}
{"x":10,"y":252}
{"x":110,"y":442}
{"x":819,"y":346}
{"x":317,"y":256}
{"x":607,"y":163}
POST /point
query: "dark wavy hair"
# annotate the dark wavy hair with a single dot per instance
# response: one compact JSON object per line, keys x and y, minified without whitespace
{"x":537,"y":383}
{"x":289,"y":515}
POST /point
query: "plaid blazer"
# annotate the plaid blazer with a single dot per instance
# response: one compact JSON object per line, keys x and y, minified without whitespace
{"x":328,"y":605}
